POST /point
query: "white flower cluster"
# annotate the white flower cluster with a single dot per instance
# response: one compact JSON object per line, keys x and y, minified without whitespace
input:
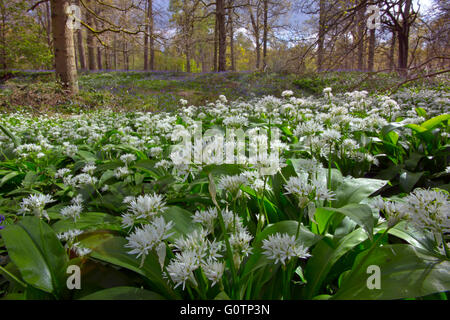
{"x":35,"y":204}
{"x":424,"y":209}
{"x":308,"y":190}
{"x":281,"y":247}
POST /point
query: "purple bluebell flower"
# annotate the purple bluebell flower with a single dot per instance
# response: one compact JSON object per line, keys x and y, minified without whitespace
{"x":2,"y":218}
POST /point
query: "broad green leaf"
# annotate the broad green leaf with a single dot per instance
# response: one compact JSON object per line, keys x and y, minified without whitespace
{"x":406,"y":272}
{"x":37,"y":252}
{"x":325,"y":254}
{"x":89,"y":221}
{"x":182,"y":220}
{"x":355,"y":190}
{"x":123,"y":293}
{"x":8,"y":177}
{"x":113,"y":250}
{"x":433,"y":122}
{"x":409,"y":179}
{"x":414,"y":237}
{"x":360,"y":213}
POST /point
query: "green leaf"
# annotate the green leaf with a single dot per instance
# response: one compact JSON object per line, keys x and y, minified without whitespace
{"x":416,"y":127}
{"x":325,"y":254}
{"x":8,"y":177}
{"x":89,"y":221}
{"x":409,"y":179}
{"x":38,"y":254}
{"x":406,"y":272}
{"x":8,"y":133}
{"x":360,"y":213}
{"x":414,"y":237}
{"x":112,"y":250}
{"x":182,"y":220}
{"x":86,"y":155}
{"x":123,"y":293}
{"x":433,"y":122}
{"x":421,"y":112}
{"x":356,"y":190}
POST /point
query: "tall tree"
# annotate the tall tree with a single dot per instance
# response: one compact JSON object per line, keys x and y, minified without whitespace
{"x":399,"y":17}
{"x":222,"y":32}
{"x":65,"y":64}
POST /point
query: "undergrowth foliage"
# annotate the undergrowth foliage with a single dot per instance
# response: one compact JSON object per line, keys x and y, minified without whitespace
{"x":361,"y":180}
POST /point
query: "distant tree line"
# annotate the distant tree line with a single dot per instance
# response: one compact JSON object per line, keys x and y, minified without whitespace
{"x":222,"y":35}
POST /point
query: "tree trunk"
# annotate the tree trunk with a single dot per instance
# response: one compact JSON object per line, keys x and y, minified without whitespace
{"x":66,"y":70}
{"x":90,"y":42}
{"x":361,"y":31}
{"x":3,"y":57}
{"x":106,"y":58}
{"x":99,"y":48}
{"x":188,"y":57}
{"x":220,"y":16}
{"x":115,"y":51}
{"x":152,"y":38}
{"x":265,"y":31}
{"x":125,"y":56}
{"x":81,"y":50}
{"x":146,"y":37}
{"x":402,"y":53}
{"x":231,"y":28}
{"x":216,"y":36}
{"x":320,"y":43}
{"x":80,"y":47}
{"x":48,"y":27}
{"x":371,"y":54}
{"x":403,"y":40}
{"x":392,"y":52}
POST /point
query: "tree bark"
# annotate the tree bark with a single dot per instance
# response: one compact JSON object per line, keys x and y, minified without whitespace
{"x":3,"y":57}
{"x":90,"y":41}
{"x":361,"y":31}
{"x":321,"y":41}
{"x":231,"y":28}
{"x":265,"y":31}
{"x":65,"y":64}
{"x":371,"y":54}
{"x":220,"y":16}
{"x":392,"y":52}
{"x":99,"y":47}
{"x":151,"y":31}
{"x":216,"y":37}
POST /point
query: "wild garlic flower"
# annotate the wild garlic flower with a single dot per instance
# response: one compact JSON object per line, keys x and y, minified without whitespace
{"x":240,"y":242}
{"x":181,"y":268}
{"x":35,"y":204}
{"x":89,"y":168}
{"x":79,"y":250}
{"x":306,"y":190}
{"x":148,"y":237}
{"x":72,"y":211}
{"x":61,"y":173}
{"x":213,"y":271}
{"x":121,"y":172}
{"x":287,"y":93}
{"x":195,"y":242}
{"x":232,"y":221}
{"x":282,"y":247}
{"x":147,"y":206}
{"x":70,"y":235}
{"x":428,"y":210}
{"x":127,"y":158}
{"x":206,"y":218}
{"x":232,"y":184}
